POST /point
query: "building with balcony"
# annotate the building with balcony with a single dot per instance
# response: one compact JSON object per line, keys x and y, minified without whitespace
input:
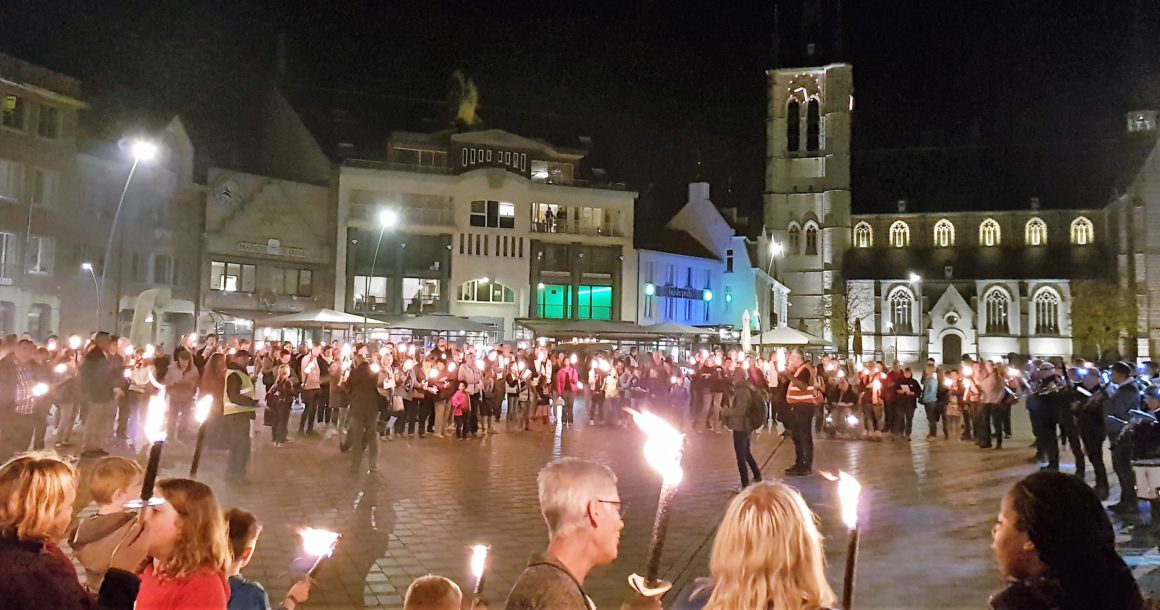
{"x":488,"y":225}
{"x":698,"y":271}
{"x":38,"y":197}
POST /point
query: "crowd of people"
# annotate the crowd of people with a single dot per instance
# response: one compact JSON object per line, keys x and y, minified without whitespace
{"x":364,"y":393}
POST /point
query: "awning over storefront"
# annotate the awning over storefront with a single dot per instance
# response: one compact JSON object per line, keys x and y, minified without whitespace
{"x":603,"y":329}
{"x":784,"y":335}
{"x":675,"y":329}
{"x":437,"y":323}
{"x":317,"y":318}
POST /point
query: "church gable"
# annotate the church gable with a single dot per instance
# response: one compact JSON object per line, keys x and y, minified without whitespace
{"x":951,"y":309}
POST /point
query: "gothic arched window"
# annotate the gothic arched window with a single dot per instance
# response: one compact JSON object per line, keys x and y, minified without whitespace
{"x":1036,"y":232}
{"x":863,"y":235}
{"x":1082,"y":231}
{"x":996,"y":304}
{"x":901,"y":310}
{"x":944,"y":234}
{"x":813,"y":125}
{"x":1046,"y":306}
{"x":989,"y":233}
{"x":899,"y":234}
{"x":793,"y":126}
{"x":795,"y":238}
{"x":811,"y":237}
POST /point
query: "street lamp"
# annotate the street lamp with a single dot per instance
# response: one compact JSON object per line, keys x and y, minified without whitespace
{"x":889,"y":327}
{"x":387,"y":220}
{"x":916,"y":279}
{"x":140,"y":150}
{"x":96,"y":287}
{"x":775,"y":252}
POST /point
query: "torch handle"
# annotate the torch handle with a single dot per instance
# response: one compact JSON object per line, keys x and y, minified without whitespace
{"x":151,"y":472}
{"x":197,"y":451}
{"x":851,"y":564}
{"x":316,"y":567}
{"x":660,"y":528}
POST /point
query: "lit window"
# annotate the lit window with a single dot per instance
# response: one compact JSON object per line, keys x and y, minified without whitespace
{"x":811,"y":238}
{"x":795,"y":238}
{"x":1036,"y":232}
{"x":493,"y":214}
{"x":997,"y":303}
{"x":863,"y":235}
{"x":1082,"y":231}
{"x":486,"y":292}
{"x":899,"y":234}
{"x":12,"y":109}
{"x":1046,"y":305}
{"x":944,"y":234}
{"x":232,"y":277}
{"x":901,"y":310}
{"x":989,"y":233}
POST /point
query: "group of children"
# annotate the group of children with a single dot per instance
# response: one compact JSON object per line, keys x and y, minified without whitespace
{"x":184,"y":553}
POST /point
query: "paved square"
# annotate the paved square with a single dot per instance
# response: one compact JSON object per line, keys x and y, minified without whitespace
{"x":925,"y":542}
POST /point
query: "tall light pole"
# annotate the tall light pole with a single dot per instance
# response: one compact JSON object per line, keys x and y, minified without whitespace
{"x":915,"y":281}
{"x":96,"y":287}
{"x":141,"y":150}
{"x":387,"y":220}
{"x":775,"y":252}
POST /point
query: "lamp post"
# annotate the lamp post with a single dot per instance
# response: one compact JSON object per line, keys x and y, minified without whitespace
{"x":891,"y":328}
{"x":97,"y":288}
{"x":387,"y":219}
{"x":915,"y":281}
{"x":141,"y":150}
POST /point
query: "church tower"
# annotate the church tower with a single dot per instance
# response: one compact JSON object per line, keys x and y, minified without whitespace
{"x":807,"y":166}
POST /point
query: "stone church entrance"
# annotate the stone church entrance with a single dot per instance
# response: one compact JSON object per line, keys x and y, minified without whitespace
{"x":952,"y":349}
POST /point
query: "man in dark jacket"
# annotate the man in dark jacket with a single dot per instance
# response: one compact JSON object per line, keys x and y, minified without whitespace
{"x":101,"y":381}
{"x":746,"y":414}
{"x":1116,"y":416}
{"x":362,"y":387}
{"x":18,"y":417}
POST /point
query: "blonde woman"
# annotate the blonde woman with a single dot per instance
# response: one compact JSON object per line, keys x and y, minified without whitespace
{"x":767,"y":554}
{"x":36,"y":499}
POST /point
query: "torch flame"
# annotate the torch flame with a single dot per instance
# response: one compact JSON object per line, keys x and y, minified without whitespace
{"x":155,"y":418}
{"x":849,"y":490}
{"x":662,"y":449}
{"x":202,"y":408}
{"x":478,"y":560}
{"x":318,"y":542}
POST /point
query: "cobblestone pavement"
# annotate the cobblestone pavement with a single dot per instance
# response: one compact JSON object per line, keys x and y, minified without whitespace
{"x":925,"y":542}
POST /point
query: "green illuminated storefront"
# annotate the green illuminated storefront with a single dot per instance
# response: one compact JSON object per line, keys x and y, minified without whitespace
{"x":575,"y":281}
{"x":555,"y":302}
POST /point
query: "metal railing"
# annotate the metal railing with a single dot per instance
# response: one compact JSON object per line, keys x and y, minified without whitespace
{"x":571,"y":227}
{"x":399,"y":167}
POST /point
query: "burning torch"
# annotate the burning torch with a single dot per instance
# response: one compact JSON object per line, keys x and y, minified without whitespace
{"x":479,"y":554}
{"x":320,"y":544}
{"x":201,"y":414}
{"x":662,"y":451}
{"x":849,"y":490}
{"x":155,"y":434}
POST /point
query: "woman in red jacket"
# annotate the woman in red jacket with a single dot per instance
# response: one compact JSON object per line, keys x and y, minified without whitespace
{"x":190,"y":551}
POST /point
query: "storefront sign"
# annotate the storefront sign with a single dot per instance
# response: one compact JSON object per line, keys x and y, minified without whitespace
{"x":680,"y":293}
{"x":271,"y":248}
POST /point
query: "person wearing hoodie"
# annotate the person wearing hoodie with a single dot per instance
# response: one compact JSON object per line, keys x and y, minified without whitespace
{"x":744,"y":415}
{"x":115,"y":481}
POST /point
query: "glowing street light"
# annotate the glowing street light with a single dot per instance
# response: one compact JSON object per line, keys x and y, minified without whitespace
{"x":388,"y":219}
{"x":140,"y":150}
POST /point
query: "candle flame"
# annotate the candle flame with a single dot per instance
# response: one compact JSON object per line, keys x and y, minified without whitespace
{"x":51,"y":345}
{"x":1012,"y":371}
{"x":375,"y":368}
{"x":662,"y":449}
{"x":74,"y":342}
{"x":202,"y":408}
{"x":155,"y":418}
{"x":318,"y":542}
{"x":408,"y":365}
{"x":128,"y":350}
{"x":346,"y":350}
{"x":948,"y":382}
{"x":479,"y":554}
{"x":150,"y":351}
{"x":61,"y":368}
{"x":967,"y":370}
{"x":432,"y":374}
{"x":451,"y":367}
{"x":40,"y":389}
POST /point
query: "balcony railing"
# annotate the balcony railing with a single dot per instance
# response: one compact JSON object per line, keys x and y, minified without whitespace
{"x":570,"y":227}
{"x":398,"y":167}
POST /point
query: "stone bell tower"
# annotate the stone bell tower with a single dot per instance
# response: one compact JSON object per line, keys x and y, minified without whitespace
{"x":807,"y":161}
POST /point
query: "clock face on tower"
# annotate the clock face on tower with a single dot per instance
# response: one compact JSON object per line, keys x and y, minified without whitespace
{"x":226,"y":191}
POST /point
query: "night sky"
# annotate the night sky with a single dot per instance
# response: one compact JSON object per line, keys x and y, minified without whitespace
{"x":658,"y":85}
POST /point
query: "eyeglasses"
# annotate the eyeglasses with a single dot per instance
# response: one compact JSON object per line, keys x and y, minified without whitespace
{"x":621,"y":507}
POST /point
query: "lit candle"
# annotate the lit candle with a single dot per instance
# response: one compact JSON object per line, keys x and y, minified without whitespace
{"x":573,"y":359}
{"x":61,"y":369}
{"x":51,"y":345}
{"x":662,"y":451}
{"x":40,"y":389}
{"x":479,"y":553}
{"x":375,"y":368}
{"x":319,"y":544}
{"x":200,"y":413}
{"x":74,"y":342}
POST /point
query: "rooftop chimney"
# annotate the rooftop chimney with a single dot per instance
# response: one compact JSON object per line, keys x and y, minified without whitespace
{"x":901,"y":206}
{"x":1035,"y":204}
{"x":698,"y":191}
